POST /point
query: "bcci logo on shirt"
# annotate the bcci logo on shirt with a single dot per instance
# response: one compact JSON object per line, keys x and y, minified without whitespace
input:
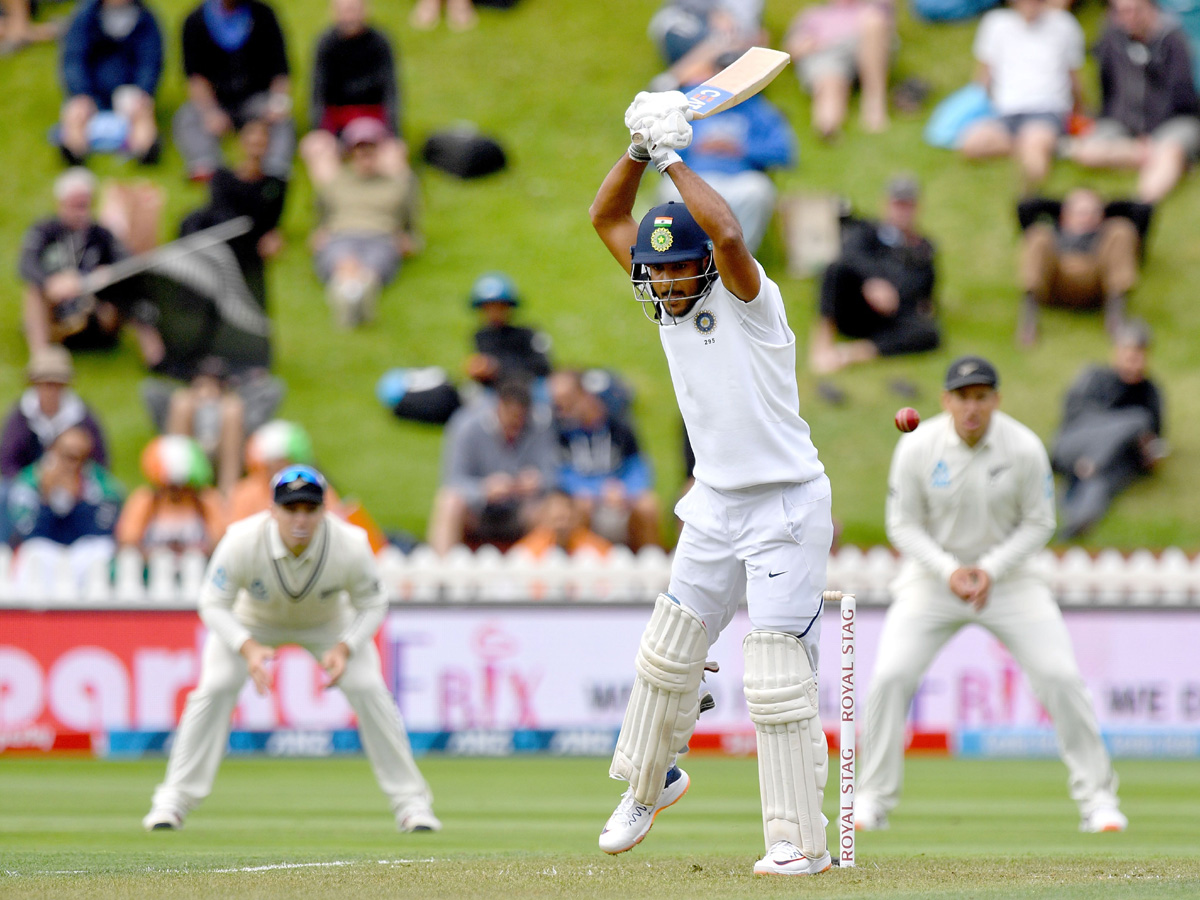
{"x":705,"y":321}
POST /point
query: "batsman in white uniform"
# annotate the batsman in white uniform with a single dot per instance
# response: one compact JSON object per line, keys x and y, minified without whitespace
{"x":757,"y":522}
{"x":292,"y":575}
{"x":970,"y":503}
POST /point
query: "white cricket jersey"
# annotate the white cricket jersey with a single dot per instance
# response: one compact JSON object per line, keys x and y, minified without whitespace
{"x":254,"y":580}
{"x":950,"y":505}
{"x":733,"y":365}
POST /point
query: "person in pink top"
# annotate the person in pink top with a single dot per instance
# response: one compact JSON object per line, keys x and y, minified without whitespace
{"x":835,"y":44}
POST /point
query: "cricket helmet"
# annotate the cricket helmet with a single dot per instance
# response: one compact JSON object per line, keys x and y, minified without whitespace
{"x":668,"y":234}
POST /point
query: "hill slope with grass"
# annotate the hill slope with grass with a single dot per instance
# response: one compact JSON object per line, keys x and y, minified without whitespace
{"x":551,"y":81}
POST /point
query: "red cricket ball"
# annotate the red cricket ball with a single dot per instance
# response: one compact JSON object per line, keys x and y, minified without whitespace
{"x":907,"y":419}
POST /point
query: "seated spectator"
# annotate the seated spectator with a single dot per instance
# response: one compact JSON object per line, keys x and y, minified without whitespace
{"x":560,"y":523}
{"x":210,"y":411}
{"x":57,"y":252}
{"x":64,"y":500}
{"x":497,"y":461}
{"x":879,"y":292}
{"x":1188,"y":14}
{"x":178,"y":510}
{"x":18,"y":29}
{"x":1149,"y":106}
{"x":603,"y":469}
{"x":504,"y":350}
{"x":368,"y":217}
{"x":247,"y":190}
{"x":354,"y":73}
{"x":111,"y":62}
{"x":836,"y":44}
{"x":1085,"y":257}
{"x":237,"y":69}
{"x":732,"y":151}
{"x":1111,"y":431}
{"x":1029,"y":58}
{"x":691,"y":34}
{"x":460,"y":14}
{"x":46,"y":409}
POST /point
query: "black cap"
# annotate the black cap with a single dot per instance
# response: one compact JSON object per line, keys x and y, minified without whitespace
{"x":970,"y":370}
{"x":298,"y":484}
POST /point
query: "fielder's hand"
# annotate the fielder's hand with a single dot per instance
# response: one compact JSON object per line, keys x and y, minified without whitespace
{"x":258,"y":658}
{"x":334,"y":662}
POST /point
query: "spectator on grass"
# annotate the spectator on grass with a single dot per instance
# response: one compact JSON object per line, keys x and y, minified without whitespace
{"x":460,"y":14}
{"x":63,"y":502}
{"x":1149,"y":105}
{"x":210,"y":411}
{"x":602,"y":468}
{"x":561,"y":522}
{"x":354,"y":73}
{"x":56,"y":255}
{"x":236,"y":66}
{"x":111,"y":62}
{"x":18,"y":29}
{"x":1084,"y":257}
{"x":879,"y":292}
{"x":733,"y":151}
{"x":690,"y":35}
{"x":504,"y":350}
{"x":368,"y":216}
{"x":245,"y":189}
{"x":47,"y":408}
{"x":178,"y":510}
{"x":1029,"y":58}
{"x":835,"y":45}
{"x":497,"y":461}
{"x":1111,"y":433}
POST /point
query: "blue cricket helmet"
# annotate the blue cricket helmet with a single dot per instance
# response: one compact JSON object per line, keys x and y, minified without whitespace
{"x":669,"y":233}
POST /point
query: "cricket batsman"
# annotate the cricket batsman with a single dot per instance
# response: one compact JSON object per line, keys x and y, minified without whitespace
{"x":757,"y":521}
{"x":294,"y":574}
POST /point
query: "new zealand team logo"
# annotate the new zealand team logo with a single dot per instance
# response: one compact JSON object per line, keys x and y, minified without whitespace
{"x":705,"y":321}
{"x":661,"y":239}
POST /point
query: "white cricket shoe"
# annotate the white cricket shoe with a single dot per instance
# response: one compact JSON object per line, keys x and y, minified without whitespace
{"x":868,"y":816}
{"x":162,"y":819}
{"x":631,"y":821}
{"x":418,"y":818}
{"x":1104,"y":818}
{"x":785,"y":858}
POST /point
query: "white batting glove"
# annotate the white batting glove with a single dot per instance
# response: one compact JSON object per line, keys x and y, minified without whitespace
{"x":670,"y":132}
{"x":653,"y":105}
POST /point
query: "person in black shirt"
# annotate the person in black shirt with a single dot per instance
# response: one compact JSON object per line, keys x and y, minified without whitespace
{"x":503,"y":350}
{"x":1111,"y":432}
{"x":879,"y":292}
{"x":55,"y":255}
{"x":354,"y":73}
{"x":237,"y":69}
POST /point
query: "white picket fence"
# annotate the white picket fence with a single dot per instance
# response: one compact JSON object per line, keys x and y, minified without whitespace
{"x":1109,"y":578}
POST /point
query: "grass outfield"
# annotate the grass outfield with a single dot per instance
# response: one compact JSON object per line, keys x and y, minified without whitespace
{"x":527,"y":828}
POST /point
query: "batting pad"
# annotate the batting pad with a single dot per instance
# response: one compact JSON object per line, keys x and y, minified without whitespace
{"x":793,"y":759}
{"x":665,"y":701}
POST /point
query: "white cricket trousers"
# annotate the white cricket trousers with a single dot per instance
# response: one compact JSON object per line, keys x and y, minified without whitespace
{"x":203,"y":731}
{"x":1022,"y":614}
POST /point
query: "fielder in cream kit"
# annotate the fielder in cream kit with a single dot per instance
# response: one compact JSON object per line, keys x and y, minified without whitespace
{"x":757,"y":522}
{"x":292,"y":575}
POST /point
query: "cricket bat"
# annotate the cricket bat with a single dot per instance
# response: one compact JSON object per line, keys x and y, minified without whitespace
{"x":740,"y":80}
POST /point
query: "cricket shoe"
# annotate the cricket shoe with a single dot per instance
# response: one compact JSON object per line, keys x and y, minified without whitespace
{"x":785,"y":858}
{"x":631,"y":821}
{"x":1104,"y":818}
{"x":418,"y":818}
{"x":161,"y":819}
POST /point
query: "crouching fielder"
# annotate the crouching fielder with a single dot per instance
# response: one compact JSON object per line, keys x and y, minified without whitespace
{"x":757,"y":521}
{"x":292,"y":575}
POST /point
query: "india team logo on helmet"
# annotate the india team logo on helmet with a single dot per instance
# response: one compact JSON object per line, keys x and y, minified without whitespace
{"x":668,"y":234}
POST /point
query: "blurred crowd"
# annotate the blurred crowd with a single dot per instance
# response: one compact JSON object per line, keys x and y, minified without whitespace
{"x":538,"y":456}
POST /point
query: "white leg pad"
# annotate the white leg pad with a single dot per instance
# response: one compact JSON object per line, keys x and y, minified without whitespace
{"x":665,"y":701}
{"x":793,"y":759}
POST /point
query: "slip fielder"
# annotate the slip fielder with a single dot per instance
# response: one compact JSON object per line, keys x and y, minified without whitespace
{"x":292,"y":575}
{"x":970,"y":503}
{"x":757,"y":521}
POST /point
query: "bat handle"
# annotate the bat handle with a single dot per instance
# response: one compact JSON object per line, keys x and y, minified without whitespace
{"x":639,"y":137}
